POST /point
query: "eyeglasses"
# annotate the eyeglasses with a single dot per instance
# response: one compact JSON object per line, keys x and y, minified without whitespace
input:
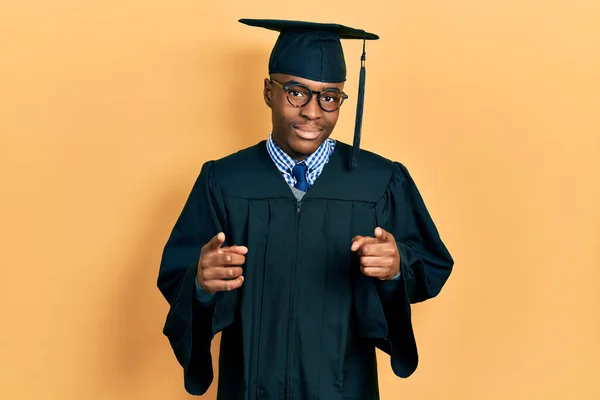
{"x":299,"y":95}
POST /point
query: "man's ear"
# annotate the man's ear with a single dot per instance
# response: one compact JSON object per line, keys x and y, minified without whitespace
{"x":267,"y":93}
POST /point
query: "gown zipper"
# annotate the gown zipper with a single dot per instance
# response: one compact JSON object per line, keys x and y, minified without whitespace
{"x":291,"y":330}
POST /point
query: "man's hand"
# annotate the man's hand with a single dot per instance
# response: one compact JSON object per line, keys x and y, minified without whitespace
{"x":379,"y":255}
{"x":219,"y":267}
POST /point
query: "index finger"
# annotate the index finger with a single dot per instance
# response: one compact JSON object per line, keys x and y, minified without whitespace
{"x":360,"y":241}
{"x":235,"y":250}
{"x":377,"y":249}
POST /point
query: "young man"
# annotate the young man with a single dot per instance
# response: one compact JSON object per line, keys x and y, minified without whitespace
{"x":304,"y":252}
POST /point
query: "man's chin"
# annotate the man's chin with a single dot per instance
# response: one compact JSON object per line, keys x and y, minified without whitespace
{"x":304,"y":148}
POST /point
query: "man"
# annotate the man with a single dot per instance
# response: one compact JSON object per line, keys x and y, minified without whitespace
{"x":304,"y":252}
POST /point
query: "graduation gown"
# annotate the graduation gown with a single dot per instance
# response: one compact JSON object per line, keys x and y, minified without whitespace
{"x":306,"y":322}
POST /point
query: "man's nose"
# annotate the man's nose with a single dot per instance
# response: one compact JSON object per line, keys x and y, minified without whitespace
{"x":312,"y":110}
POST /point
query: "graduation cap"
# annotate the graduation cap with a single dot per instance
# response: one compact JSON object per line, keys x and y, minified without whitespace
{"x":313,"y":51}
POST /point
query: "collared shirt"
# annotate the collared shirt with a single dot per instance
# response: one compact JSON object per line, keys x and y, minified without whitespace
{"x":315,"y":162}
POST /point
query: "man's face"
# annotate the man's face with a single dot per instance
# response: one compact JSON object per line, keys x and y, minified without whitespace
{"x":299,"y":131}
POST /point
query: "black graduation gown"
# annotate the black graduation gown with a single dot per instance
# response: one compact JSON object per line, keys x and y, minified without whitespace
{"x":306,"y":322}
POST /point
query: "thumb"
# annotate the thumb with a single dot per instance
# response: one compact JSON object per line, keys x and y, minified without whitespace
{"x":383,"y":235}
{"x":216,"y":242}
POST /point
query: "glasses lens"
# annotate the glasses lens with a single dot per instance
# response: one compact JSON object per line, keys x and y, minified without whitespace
{"x":331,"y":100}
{"x":298,"y":96}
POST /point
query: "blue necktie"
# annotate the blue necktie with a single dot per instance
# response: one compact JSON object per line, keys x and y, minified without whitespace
{"x":299,"y":173}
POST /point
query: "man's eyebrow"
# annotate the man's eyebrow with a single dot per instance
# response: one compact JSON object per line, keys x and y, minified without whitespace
{"x":293,"y":82}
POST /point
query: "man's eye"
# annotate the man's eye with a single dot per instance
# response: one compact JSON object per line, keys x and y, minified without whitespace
{"x":328,"y":99}
{"x":295,"y":93}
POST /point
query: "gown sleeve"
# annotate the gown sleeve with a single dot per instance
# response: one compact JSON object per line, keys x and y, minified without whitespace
{"x":425,"y":265}
{"x":189,"y":323}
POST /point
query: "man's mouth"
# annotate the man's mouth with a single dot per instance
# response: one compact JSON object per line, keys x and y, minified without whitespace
{"x":309,"y":132}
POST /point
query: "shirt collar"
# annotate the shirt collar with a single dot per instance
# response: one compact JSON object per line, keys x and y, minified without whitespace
{"x":313,"y":161}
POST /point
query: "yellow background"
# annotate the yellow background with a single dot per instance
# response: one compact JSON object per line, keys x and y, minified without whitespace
{"x":109,"y":108}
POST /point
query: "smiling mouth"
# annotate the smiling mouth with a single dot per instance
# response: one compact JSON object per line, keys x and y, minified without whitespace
{"x":308,"y":128}
{"x":307,"y":132}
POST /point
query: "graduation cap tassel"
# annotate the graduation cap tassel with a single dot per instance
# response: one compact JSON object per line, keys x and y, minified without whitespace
{"x":359,"y":107}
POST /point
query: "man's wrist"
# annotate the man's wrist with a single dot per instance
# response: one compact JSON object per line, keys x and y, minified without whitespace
{"x":202,"y":295}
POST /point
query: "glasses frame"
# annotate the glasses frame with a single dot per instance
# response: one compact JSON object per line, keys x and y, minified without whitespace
{"x":287,"y":86}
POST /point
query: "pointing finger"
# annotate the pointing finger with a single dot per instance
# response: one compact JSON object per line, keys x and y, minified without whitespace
{"x":357,"y":242}
{"x":356,"y":237}
{"x":242,"y":250}
{"x":361,"y":241}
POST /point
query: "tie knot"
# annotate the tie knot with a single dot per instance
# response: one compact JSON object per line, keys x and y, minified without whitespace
{"x":299,"y":172}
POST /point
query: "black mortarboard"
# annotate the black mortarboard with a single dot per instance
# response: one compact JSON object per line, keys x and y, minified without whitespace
{"x":313,"y":51}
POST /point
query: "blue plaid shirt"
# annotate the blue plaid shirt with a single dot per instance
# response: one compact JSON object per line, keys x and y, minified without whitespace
{"x":315,"y":162}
